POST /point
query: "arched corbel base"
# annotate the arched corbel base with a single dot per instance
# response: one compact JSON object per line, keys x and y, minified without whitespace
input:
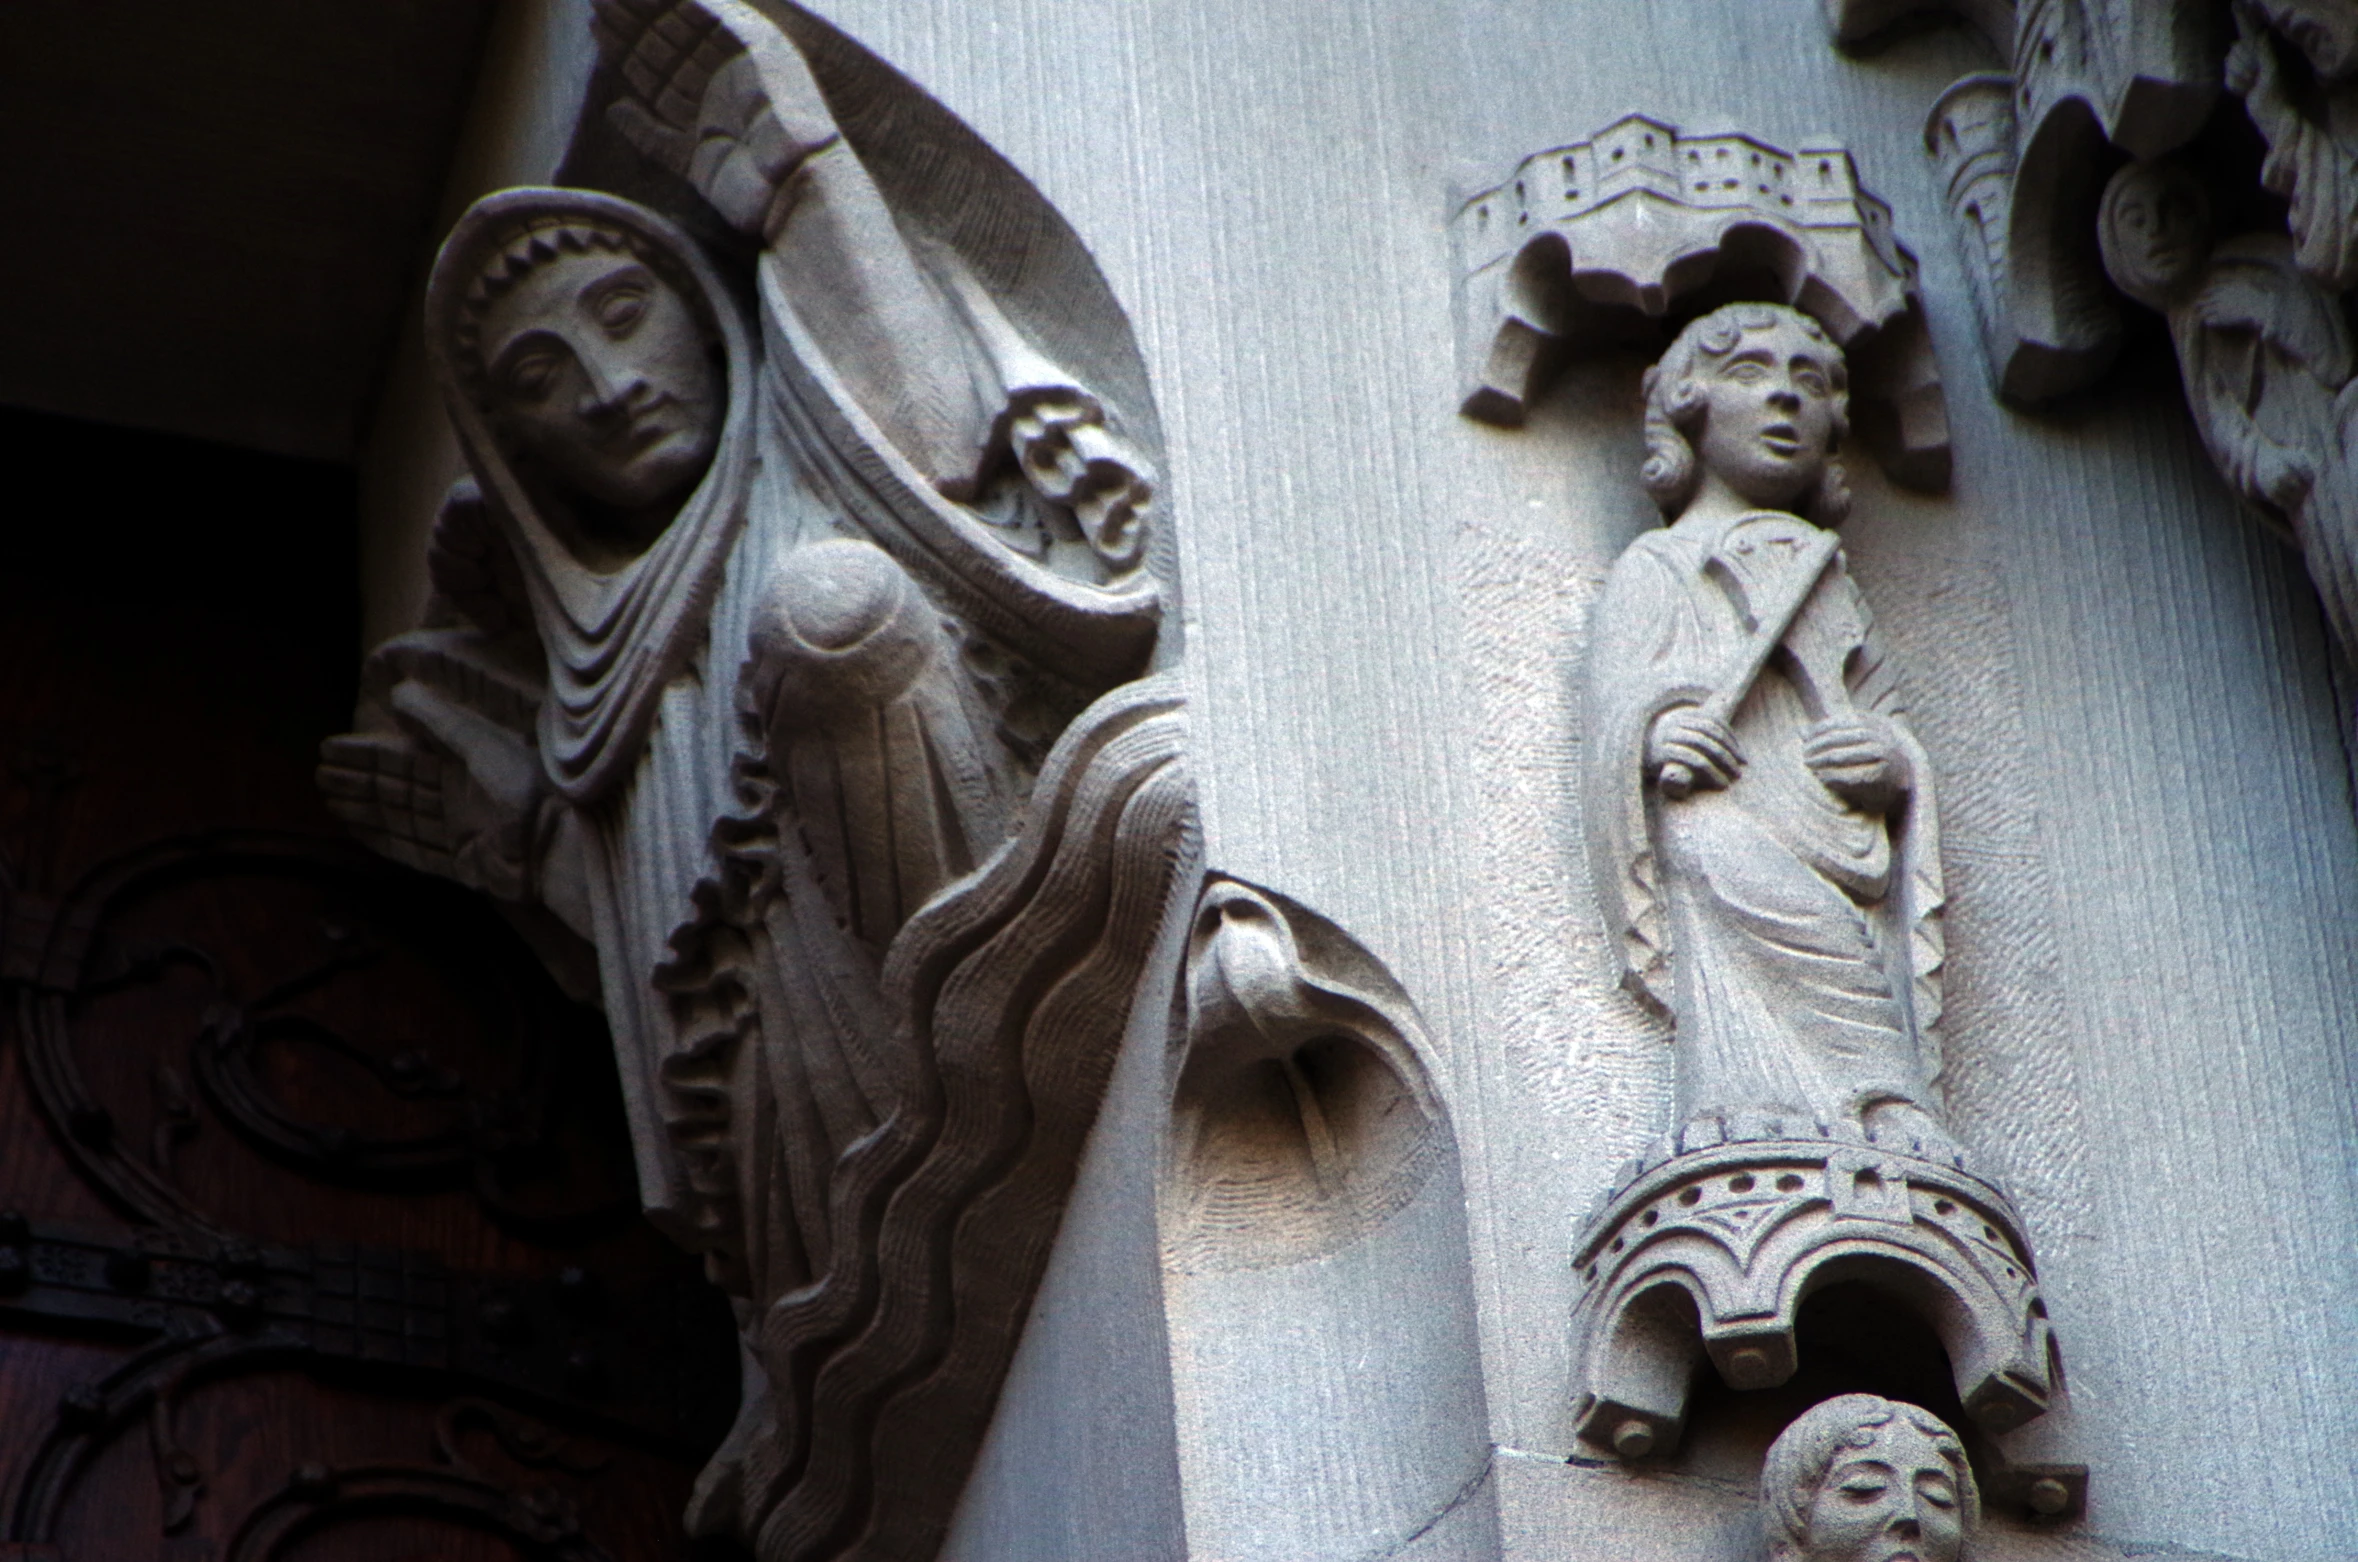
{"x":1710,"y":1248}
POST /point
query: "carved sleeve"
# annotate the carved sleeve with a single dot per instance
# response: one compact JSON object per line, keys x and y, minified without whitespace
{"x":1646,"y":654}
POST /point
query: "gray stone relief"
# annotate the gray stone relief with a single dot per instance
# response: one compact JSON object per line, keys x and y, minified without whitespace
{"x":2024,"y":156}
{"x":1860,"y":1478}
{"x":1589,"y":242}
{"x":1315,"y":1269}
{"x":1705,"y":1246}
{"x":1778,"y":889}
{"x":797,"y":675}
{"x":2295,"y":65}
{"x":2050,"y":244}
{"x":2267,"y":360}
{"x":1764,"y":834}
{"x":1336,"y":1375}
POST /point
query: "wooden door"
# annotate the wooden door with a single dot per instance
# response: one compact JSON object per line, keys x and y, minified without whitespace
{"x":317,"y":1229}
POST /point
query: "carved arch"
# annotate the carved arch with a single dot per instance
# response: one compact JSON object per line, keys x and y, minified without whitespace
{"x":1745,"y":1232}
{"x":1600,"y":242}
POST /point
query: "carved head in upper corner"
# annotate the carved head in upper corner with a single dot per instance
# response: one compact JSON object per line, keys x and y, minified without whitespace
{"x":1861,"y":1478}
{"x":2324,"y":30}
{"x":1752,"y":400}
{"x":2155,"y":229}
{"x":577,"y":328}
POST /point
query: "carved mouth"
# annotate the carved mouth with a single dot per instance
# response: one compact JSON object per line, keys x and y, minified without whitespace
{"x":649,"y":425}
{"x":1782,"y":439}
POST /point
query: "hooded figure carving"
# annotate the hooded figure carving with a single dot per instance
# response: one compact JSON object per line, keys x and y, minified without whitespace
{"x":2270,"y":368}
{"x":602,"y":386}
{"x":1761,"y":817}
{"x":804,"y":671}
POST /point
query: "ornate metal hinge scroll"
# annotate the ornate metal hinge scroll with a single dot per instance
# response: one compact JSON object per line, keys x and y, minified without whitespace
{"x":647,"y":1360}
{"x":650,"y":1365}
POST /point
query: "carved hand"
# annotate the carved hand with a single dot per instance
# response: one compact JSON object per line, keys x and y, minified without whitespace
{"x":714,"y":92}
{"x":1685,"y":735}
{"x":1068,"y":454}
{"x":1859,"y":760}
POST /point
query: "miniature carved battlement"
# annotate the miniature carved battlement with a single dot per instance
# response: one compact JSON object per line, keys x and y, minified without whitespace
{"x":1970,"y":137}
{"x":1815,"y":187}
{"x":1589,"y":243}
{"x":2145,"y":68}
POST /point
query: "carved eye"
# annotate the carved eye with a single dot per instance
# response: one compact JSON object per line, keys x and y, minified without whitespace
{"x":1811,"y":381}
{"x":1863,"y":1488}
{"x":1937,"y":1490}
{"x":620,"y":308}
{"x":531,"y":376}
{"x":1747,"y":372}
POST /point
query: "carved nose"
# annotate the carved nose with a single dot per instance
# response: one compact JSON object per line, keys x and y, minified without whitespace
{"x":606,"y":389}
{"x":1785,"y":398}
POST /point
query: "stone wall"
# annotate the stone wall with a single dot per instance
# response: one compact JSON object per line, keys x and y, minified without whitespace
{"x":2152,"y":866}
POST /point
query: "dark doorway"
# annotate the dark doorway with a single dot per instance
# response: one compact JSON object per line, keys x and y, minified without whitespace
{"x":318,"y":1235}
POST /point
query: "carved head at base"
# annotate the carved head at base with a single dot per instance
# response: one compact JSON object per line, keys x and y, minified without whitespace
{"x":1753,"y":399}
{"x":1861,"y":1478}
{"x":2155,"y":229}
{"x":577,"y":332}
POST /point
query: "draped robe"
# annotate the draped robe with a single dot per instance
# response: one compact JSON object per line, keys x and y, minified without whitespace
{"x":2268,"y":364}
{"x":1792,"y":936}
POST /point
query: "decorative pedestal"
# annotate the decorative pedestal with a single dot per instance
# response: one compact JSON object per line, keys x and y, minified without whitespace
{"x":1713,"y":1247}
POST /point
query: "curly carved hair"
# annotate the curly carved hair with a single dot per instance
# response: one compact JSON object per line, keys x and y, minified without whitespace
{"x":1805,"y":1453}
{"x":1676,"y":402}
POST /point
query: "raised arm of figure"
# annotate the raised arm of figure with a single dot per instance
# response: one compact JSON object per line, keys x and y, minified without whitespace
{"x":714,"y":91}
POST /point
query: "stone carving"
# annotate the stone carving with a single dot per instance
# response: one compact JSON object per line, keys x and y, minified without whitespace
{"x":1589,"y":242}
{"x":2048,"y":324}
{"x":1777,"y":886}
{"x":1732,"y":1221}
{"x":2295,"y":65}
{"x":2024,"y":154}
{"x":2146,"y":71}
{"x":1302,"y":1115}
{"x":2262,"y":338}
{"x":888,"y":1149}
{"x":1764,"y":832}
{"x":1859,"y":22}
{"x":1860,"y":1478}
{"x":1310,"y":1175}
{"x":2267,"y":360}
{"x":806,"y":668}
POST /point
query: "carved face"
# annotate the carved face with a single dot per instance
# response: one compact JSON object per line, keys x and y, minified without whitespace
{"x":1895,"y":1500}
{"x":2155,"y":229}
{"x":2324,"y":30}
{"x":596,"y":370}
{"x":1768,"y":426}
